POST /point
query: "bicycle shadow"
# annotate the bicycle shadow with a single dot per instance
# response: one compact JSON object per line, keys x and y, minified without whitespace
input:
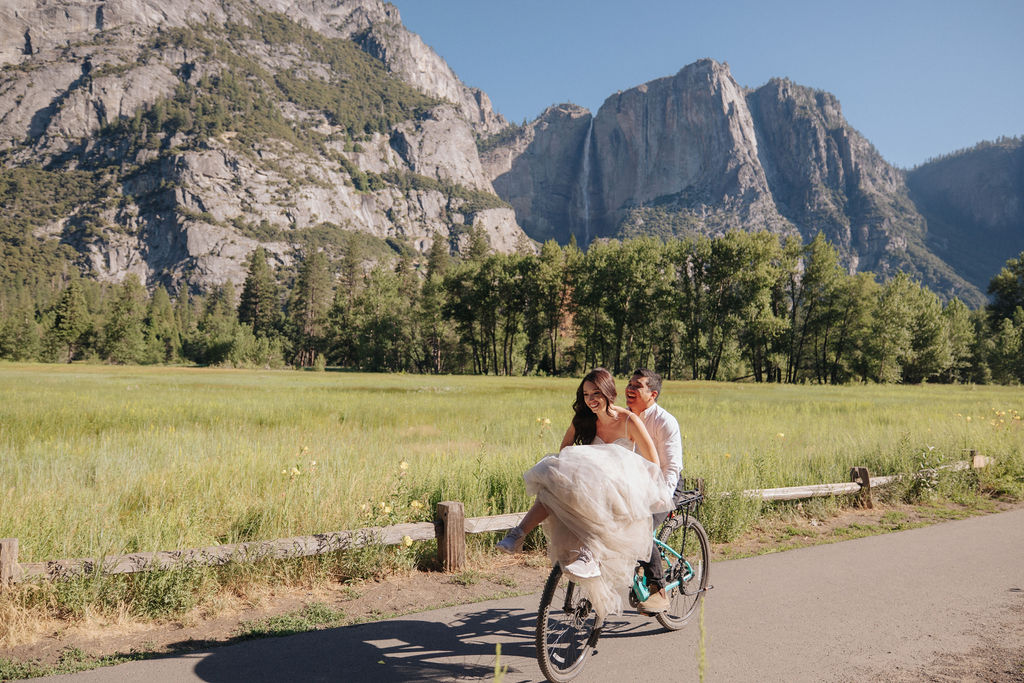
{"x":410,"y":649}
{"x":398,"y":650}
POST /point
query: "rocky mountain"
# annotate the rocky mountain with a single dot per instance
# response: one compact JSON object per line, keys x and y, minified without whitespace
{"x":168,"y":139}
{"x":695,"y":153}
{"x":192,"y":130}
{"x":973,"y":202}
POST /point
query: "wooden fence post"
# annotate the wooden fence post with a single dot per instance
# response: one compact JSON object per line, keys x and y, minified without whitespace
{"x":978,"y":461}
{"x":451,"y":535}
{"x":859,"y":475}
{"x":10,"y":570}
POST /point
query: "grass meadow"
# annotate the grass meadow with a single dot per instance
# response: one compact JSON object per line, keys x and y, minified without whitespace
{"x":99,"y":460}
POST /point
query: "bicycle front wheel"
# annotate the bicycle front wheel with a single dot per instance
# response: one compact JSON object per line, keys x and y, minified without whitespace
{"x":686,"y":536}
{"x":566,"y":622}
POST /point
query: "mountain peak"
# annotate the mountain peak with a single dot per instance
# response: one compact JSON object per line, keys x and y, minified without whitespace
{"x":696,"y":153}
{"x":195,"y":130}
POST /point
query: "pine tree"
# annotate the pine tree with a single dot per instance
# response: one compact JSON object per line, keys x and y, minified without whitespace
{"x":930,"y":350}
{"x":384,"y":333}
{"x":124,"y":341}
{"x":438,"y":257}
{"x":811,"y":294}
{"x":960,"y":333}
{"x":307,"y":309}
{"x":217,"y":327}
{"x":437,"y":336}
{"x":19,"y":331}
{"x":163,"y":337}
{"x":71,"y":319}
{"x":479,"y":245}
{"x":259,"y":305}
{"x":1007,"y":290}
{"x":892,"y":334}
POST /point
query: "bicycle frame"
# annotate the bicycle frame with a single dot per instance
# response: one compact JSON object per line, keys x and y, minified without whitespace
{"x":640,"y":582}
{"x":691,"y":500}
{"x":563,"y":620}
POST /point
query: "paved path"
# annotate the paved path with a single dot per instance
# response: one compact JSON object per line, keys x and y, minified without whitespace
{"x":876,"y":608}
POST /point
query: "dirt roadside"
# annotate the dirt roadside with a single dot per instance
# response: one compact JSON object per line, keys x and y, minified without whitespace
{"x":491,"y":576}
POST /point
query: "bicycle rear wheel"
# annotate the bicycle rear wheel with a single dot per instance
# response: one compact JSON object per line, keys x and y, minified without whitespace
{"x":566,"y":628}
{"x":686,"y":536}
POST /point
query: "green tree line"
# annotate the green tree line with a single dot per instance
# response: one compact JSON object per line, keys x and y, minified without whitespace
{"x":742,"y":306}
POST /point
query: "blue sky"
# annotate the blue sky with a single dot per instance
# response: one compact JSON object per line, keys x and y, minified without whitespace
{"x":918,"y":78}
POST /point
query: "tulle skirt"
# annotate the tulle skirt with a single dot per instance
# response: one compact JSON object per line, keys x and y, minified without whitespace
{"x":600,"y":496}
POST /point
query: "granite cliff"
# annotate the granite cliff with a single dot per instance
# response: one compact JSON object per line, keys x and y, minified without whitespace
{"x":696,"y":153}
{"x":169,"y":139}
{"x":205,"y":127}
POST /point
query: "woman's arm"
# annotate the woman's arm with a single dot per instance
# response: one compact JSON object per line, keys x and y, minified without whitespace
{"x":637,"y":433}
{"x":570,"y":436}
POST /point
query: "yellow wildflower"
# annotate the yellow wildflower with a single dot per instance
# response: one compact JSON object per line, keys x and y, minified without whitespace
{"x":406,"y":541}
{"x":416,"y":504}
{"x":403,"y":465}
{"x":547,"y":420}
{"x":968,"y":418}
{"x":296,"y":471}
{"x":387,"y":509}
{"x":781,"y":435}
{"x":728,"y":455}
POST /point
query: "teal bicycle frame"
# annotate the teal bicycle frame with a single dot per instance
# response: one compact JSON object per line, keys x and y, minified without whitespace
{"x":640,"y":589}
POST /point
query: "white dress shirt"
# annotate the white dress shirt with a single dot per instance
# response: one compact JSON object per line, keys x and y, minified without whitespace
{"x":664,"y":431}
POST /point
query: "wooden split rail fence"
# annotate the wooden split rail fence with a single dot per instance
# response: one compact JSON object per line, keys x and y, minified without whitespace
{"x":449,"y":529}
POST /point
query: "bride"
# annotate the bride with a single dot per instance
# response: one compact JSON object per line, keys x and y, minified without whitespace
{"x":596,"y":496}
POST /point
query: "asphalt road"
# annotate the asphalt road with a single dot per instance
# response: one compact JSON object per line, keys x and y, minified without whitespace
{"x":876,"y":608}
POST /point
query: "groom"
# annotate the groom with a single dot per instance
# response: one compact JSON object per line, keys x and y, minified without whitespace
{"x":642,"y":399}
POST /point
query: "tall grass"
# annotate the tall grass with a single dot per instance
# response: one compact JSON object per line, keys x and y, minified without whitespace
{"x":99,"y":460}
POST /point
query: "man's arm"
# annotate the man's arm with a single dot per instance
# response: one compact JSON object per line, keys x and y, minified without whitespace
{"x":673,"y":441}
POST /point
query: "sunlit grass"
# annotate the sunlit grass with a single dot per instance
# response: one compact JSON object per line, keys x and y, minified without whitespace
{"x":100,"y":460}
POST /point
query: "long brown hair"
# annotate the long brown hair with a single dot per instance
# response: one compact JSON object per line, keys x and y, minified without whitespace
{"x":584,"y":421}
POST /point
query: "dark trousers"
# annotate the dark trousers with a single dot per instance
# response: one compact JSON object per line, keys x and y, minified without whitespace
{"x":652,"y":568}
{"x":655,"y":572}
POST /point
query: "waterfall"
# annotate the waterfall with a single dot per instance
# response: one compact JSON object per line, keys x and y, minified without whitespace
{"x":585,"y":183}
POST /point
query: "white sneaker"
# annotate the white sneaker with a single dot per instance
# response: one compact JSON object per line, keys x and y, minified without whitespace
{"x":513,"y":541}
{"x":584,"y":566}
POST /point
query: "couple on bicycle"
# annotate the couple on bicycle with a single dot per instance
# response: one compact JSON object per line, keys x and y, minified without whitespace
{"x":614,"y":477}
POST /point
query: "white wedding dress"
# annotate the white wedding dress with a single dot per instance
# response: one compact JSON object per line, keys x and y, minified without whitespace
{"x":600,"y":496}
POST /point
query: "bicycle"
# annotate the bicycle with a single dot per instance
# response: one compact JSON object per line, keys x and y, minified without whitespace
{"x":568,"y":627}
